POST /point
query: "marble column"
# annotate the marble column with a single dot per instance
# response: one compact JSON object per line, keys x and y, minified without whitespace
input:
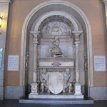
{"x":35,"y":43}
{"x":77,"y":43}
{"x":34,"y":85}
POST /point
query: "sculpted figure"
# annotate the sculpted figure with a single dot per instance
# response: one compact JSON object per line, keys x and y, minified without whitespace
{"x":55,"y":50}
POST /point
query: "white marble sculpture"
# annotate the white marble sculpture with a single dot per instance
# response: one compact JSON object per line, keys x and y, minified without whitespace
{"x":55,"y":50}
{"x":54,"y":71}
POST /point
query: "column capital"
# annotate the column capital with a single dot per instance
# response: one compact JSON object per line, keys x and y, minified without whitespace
{"x":77,"y":35}
{"x":34,"y":34}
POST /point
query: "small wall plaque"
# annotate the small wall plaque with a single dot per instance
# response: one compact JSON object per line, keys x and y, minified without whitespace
{"x":99,"y":63}
{"x":13,"y":63}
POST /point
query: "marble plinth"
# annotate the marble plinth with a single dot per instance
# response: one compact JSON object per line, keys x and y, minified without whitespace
{"x":56,"y":96}
{"x":33,"y":90}
{"x":78,"y":89}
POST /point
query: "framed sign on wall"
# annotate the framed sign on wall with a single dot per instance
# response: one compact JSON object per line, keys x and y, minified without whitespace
{"x":99,"y":63}
{"x":13,"y":63}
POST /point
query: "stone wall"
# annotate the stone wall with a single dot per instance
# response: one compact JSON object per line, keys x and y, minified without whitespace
{"x":94,"y":11}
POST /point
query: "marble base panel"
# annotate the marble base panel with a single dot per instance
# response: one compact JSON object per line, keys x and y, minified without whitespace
{"x":98,"y":93}
{"x":14,"y":92}
{"x":56,"y":96}
{"x":1,"y":89}
{"x":1,"y":93}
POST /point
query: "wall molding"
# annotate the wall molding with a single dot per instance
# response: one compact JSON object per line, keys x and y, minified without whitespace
{"x":13,"y":92}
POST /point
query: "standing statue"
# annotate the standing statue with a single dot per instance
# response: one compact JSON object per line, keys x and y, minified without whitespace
{"x":55,"y":50}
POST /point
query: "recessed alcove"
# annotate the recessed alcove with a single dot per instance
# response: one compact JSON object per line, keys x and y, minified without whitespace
{"x":65,"y":22}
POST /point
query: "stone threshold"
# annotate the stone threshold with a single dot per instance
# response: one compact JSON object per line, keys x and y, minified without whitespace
{"x":57,"y":101}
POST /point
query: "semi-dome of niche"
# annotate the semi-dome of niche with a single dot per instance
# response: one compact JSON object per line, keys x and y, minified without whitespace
{"x":56,"y":26}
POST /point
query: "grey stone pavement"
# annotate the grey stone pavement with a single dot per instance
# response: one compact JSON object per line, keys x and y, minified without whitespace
{"x":15,"y":103}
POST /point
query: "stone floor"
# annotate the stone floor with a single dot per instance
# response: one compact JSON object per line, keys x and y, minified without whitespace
{"x":15,"y":103}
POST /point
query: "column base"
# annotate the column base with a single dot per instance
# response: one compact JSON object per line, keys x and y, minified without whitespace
{"x":34,"y":92}
{"x":33,"y":95}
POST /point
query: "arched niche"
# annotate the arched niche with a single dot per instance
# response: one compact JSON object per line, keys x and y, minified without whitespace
{"x":72,"y":13}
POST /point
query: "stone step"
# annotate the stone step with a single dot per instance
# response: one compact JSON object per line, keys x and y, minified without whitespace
{"x":57,"y":101}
